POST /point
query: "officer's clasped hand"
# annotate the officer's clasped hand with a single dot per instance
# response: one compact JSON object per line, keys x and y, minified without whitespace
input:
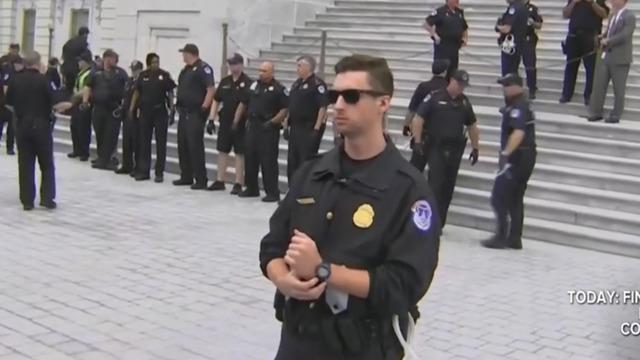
{"x":303,"y":256}
{"x":474,"y":156}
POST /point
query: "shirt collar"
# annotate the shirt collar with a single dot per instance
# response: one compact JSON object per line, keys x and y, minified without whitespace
{"x":378,"y":176}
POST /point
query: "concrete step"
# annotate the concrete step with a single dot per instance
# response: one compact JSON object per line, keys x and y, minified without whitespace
{"x":484,"y":87}
{"x":406,"y":79}
{"x":479,"y":36}
{"x":544,"y":190}
{"x":552,"y":231}
{"x":609,"y":220}
{"x":488,"y":95}
{"x":419,"y":66}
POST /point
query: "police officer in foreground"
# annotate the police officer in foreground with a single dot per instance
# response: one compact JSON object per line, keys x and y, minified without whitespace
{"x":448,"y":29}
{"x":231,"y":114}
{"x":8,"y":63}
{"x":196,"y":87}
{"x":424,"y":89}
{"x":585,"y":24}
{"x":130,"y":124}
{"x":267,"y":108}
{"x":517,"y":160}
{"x":105,"y":90}
{"x":354,"y":245}
{"x":81,"y":115}
{"x":305,"y":124}
{"x":445,"y":117}
{"x":512,"y":27}
{"x":153,"y":96}
{"x":32,"y":97}
{"x":529,"y":57}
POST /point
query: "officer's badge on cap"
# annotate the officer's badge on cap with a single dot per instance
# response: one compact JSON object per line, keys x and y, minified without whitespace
{"x":461,"y":77}
{"x":363,"y":217}
{"x":422,"y":215}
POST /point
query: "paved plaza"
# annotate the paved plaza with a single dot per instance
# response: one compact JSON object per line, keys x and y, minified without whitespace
{"x":137,"y":271}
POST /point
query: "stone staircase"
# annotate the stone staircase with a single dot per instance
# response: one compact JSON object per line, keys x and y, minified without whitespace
{"x":585,"y":191}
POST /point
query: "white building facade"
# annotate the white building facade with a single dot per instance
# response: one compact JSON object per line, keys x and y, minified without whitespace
{"x":135,"y":27}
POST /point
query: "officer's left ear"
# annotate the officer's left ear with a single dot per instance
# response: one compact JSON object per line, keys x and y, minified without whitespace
{"x":384,"y":102}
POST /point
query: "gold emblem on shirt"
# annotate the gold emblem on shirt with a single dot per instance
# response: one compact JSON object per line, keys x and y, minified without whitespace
{"x":363,"y":217}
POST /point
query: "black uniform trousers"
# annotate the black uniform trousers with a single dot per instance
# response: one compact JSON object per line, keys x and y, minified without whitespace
{"x":191,"y":145}
{"x":444,"y":163}
{"x":35,"y":141}
{"x":153,"y":120}
{"x":304,"y":143}
{"x":261,"y":153}
{"x":107,"y":129}
{"x":296,"y":347}
{"x":130,"y":142}
{"x":511,"y":63}
{"x":579,"y":46}
{"x":81,"y":131}
{"x":6,"y":117}
{"x":70,"y":70}
{"x":508,"y":195}
{"x":449,"y":50}
{"x":529,"y":59}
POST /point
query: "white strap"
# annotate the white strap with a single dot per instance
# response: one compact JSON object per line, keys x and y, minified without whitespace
{"x":409,"y":353}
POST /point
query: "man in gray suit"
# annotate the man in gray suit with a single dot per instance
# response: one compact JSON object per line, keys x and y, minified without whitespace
{"x":617,"y":54}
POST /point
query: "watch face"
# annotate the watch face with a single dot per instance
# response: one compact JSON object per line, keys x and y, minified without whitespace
{"x":323,"y":272}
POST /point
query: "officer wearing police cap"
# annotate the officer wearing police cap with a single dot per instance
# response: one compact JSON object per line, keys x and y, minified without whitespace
{"x":81,"y":115}
{"x":231,"y":114}
{"x":448,"y":29}
{"x":424,"y":89}
{"x":196,"y":87}
{"x":517,"y":159}
{"x":130,"y":124}
{"x":446,"y":116}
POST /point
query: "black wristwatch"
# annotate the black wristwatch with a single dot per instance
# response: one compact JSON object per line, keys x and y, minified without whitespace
{"x":323,"y":272}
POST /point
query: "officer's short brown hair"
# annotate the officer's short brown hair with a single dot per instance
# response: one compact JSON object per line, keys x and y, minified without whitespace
{"x":380,"y":76}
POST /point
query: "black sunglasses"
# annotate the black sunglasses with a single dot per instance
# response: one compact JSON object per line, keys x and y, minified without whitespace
{"x":351,"y":96}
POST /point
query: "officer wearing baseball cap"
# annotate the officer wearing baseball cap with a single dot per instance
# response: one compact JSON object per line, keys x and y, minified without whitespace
{"x":196,"y":87}
{"x":446,"y":116}
{"x":130,"y":124}
{"x":231,"y":114}
{"x":437,"y":82}
{"x":517,"y":159}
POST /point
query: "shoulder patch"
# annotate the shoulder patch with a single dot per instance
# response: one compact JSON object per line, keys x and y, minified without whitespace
{"x":53,"y":85}
{"x":422,"y":215}
{"x":515,"y":113}
{"x":427,"y":98}
{"x":6,"y":77}
{"x":321,"y":89}
{"x":434,"y":12}
{"x":254,"y":85}
{"x":512,"y":10}
{"x":207,"y":70}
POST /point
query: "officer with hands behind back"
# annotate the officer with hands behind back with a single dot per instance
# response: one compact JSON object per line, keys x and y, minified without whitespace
{"x":354,"y":245}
